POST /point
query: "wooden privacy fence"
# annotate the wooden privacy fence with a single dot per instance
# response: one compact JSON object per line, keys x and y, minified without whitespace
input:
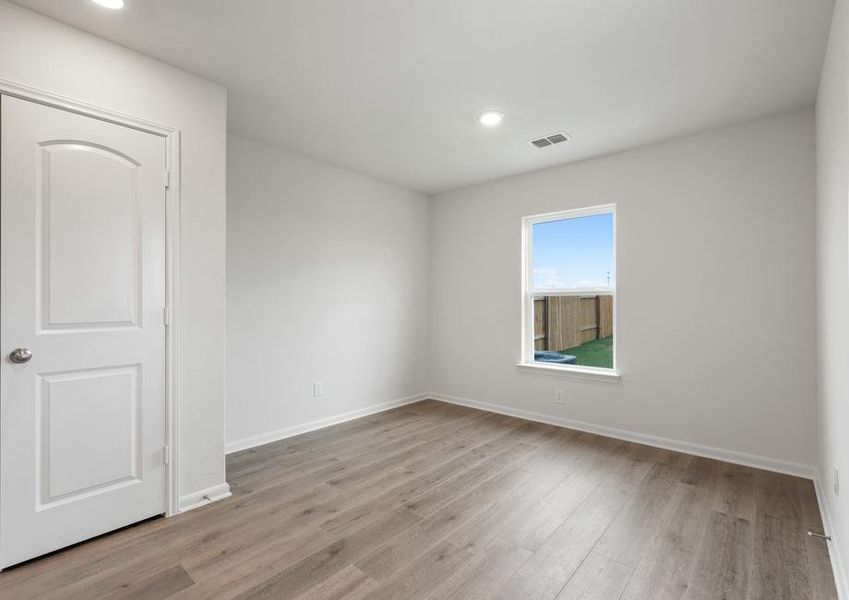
{"x":563,"y":322}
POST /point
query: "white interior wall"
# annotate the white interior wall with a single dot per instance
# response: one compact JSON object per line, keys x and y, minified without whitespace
{"x":326,"y":281}
{"x":44,"y":54}
{"x":832,"y":222}
{"x":716,"y":330}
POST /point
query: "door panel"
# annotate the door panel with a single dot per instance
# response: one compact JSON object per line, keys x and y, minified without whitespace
{"x":89,"y":241}
{"x":82,"y":286}
{"x":108,"y":445}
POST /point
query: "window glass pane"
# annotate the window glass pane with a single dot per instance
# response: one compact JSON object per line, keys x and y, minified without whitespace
{"x":574,"y":330}
{"x":574,"y":253}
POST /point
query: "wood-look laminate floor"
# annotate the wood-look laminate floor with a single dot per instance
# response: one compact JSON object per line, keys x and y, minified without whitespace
{"x":437,"y":501}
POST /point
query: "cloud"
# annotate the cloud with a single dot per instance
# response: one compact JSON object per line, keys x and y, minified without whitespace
{"x":548,"y":278}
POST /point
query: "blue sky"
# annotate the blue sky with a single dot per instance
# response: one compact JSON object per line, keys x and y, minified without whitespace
{"x":574,"y":253}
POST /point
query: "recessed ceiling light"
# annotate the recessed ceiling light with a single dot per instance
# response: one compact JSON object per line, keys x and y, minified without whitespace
{"x":491,"y":118}
{"x":113,"y":4}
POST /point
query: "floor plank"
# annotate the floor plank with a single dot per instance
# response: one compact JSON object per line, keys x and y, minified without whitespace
{"x":549,"y":569}
{"x":486,"y":572}
{"x":666,"y":566}
{"x":640,"y":519}
{"x":722,"y":568}
{"x":350,"y":583}
{"x":598,"y":578}
{"x":155,"y":587}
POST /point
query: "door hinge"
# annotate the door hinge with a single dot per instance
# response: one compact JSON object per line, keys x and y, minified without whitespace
{"x":166,"y":455}
{"x":167,"y":179}
{"x":166,"y":317}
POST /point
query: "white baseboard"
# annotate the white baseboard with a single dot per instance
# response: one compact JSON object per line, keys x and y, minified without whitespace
{"x":840,"y":581}
{"x":204,"y":497}
{"x":282,"y":434}
{"x":732,"y":456}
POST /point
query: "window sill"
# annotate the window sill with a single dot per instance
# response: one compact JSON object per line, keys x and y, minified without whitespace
{"x":586,"y":373}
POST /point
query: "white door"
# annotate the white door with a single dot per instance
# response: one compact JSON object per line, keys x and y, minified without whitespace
{"x":82,"y":288}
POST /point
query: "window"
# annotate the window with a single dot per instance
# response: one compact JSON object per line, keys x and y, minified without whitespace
{"x":569,"y":291}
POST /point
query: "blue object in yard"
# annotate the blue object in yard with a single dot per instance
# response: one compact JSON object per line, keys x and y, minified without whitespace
{"x":554,"y":357}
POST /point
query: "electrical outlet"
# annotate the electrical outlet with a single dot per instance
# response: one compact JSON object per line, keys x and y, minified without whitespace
{"x":318,"y":389}
{"x":836,"y":481}
{"x":559,"y":397}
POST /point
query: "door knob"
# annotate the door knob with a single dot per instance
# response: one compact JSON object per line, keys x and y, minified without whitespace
{"x":20,"y":355}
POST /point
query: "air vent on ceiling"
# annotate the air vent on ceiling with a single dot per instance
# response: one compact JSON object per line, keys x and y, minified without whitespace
{"x":549,"y":140}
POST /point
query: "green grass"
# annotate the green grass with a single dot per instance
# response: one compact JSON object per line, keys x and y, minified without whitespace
{"x":596,"y":353}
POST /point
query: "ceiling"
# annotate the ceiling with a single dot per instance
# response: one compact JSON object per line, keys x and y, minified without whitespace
{"x":392,"y":88}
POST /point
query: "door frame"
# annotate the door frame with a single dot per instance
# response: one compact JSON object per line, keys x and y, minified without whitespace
{"x":172,"y":259}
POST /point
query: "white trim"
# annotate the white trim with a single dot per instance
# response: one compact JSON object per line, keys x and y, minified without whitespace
{"x":602,"y":291}
{"x":732,"y":456}
{"x":282,"y":434}
{"x":204,"y":497}
{"x":172,"y":250}
{"x":571,"y":213}
{"x":25,"y":92}
{"x":840,"y":581}
{"x":172,"y":301}
{"x":575,"y":372}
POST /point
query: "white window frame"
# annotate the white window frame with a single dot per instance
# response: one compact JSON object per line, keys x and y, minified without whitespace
{"x":527,"y":364}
